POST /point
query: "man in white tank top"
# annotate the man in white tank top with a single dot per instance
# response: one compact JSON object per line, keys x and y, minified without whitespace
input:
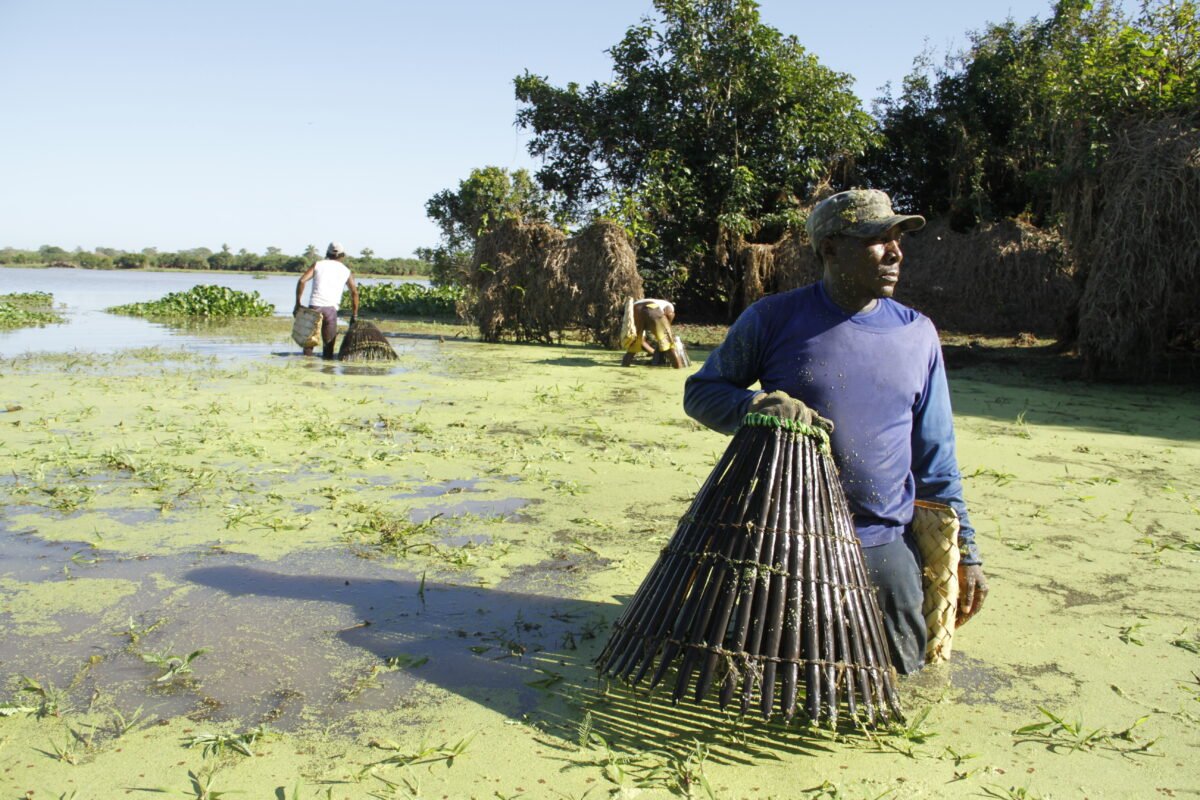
{"x":329,"y":278}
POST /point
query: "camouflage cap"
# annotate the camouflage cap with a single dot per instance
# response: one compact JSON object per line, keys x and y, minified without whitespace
{"x":862,"y":213}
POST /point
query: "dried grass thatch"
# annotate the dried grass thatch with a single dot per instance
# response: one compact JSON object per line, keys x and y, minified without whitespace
{"x":532,"y":284}
{"x":518,"y":290}
{"x":1134,"y":227}
{"x":1002,"y":278}
{"x":602,"y":267}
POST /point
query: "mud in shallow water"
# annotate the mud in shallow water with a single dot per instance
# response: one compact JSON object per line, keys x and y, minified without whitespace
{"x":379,"y":566}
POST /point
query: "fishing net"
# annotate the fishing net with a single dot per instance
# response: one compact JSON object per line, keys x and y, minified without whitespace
{"x":935,"y":528}
{"x":365,"y":342}
{"x":762,"y":591}
{"x":306,"y":327}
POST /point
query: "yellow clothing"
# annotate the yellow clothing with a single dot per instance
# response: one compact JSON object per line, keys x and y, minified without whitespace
{"x":650,"y":317}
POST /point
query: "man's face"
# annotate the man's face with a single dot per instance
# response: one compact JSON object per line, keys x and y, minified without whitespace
{"x":861,"y":270}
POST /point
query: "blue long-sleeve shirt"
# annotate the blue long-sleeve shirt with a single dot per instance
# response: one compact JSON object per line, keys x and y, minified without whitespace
{"x":878,"y":375}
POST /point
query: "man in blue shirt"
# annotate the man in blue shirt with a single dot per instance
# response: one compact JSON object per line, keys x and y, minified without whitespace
{"x":841,"y":348}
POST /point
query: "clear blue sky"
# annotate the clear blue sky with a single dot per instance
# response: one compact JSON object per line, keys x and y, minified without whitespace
{"x":186,"y":123}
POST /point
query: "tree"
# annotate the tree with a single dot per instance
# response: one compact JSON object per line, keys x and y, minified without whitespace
{"x":487,"y":196}
{"x":130,"y":260}
{"x":712,"y":127}
{"x":999,"y":128}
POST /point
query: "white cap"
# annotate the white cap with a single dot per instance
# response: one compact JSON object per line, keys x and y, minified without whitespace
{"x":335,"y":249}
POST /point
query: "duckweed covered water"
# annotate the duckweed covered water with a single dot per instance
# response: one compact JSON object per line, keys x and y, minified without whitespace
{"x":403,"y":578}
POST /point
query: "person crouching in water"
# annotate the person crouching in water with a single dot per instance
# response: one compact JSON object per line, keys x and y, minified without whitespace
{"x":329,"y":277}
{"x":654,"y":317}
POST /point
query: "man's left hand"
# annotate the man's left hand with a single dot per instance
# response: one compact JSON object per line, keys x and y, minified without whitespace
{"x":972,"y":590}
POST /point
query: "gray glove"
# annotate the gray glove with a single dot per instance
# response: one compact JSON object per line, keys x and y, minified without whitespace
{"x":782,"y":405}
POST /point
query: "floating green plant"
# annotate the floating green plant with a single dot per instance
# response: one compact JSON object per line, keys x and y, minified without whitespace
{"x":27,"y":309}
{"x":173,"y":666}
{"x":1059,"y":734}
{"x":204,"y":301}
{"x":217,"y":743}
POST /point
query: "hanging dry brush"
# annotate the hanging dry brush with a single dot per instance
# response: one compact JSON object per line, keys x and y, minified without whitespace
{"x":762,"y":591}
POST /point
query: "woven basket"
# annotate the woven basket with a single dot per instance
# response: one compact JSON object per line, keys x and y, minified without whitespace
{"x":628,"y":333}
{"x":762,"y":590}
{"x":365,"y":342}
{"x":935,"y":527}
{"x":306,"y":327}
{"x":681,"y":351}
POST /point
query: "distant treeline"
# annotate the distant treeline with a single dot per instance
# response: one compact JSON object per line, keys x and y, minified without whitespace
{"x":203,"y":258}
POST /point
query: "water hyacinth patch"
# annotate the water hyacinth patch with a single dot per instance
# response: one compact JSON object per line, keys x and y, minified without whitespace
{"x":201,"y":301}
{"x":27,"y":309}
{"x":407,"y":299}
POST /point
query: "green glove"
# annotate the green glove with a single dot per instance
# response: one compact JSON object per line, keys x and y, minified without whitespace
{"x":782,"y":405}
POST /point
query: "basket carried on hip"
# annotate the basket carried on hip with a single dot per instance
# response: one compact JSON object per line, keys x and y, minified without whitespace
{"x":762,"y":591}
{"x":306,"y":327}
{"x":935,"y":527}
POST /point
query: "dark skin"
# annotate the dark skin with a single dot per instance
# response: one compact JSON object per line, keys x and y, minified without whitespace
{"x":858,"y":272}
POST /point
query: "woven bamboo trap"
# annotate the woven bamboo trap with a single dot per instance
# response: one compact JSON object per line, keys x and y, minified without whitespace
{"x":761,"y":596}
{"x":365,"y":342}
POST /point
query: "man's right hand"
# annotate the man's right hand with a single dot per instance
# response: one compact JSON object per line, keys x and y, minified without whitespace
{"x":296,"y":310}
{"x":782,"y":405}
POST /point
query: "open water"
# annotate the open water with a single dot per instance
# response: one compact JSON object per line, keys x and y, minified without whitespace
{"x":83,"y":295}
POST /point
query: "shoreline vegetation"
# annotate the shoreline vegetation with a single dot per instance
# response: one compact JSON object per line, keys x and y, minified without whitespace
{"x":202,"y":259}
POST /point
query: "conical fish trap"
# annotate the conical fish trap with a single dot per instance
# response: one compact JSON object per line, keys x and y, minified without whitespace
{"x":365,"y":342}
{"x":762,"y":591}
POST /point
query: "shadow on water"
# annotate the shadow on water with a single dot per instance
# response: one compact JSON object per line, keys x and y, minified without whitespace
{"x":522,"y":655}
{"x":333,"y":636}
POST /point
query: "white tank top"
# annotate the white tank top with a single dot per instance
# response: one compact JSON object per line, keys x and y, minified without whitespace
{"x":329,"y":280}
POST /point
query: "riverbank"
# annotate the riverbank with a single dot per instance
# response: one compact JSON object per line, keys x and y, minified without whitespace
{"x":414,"y":276}
{"x":396,"y":579}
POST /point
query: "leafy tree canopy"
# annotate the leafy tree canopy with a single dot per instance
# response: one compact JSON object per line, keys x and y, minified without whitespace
{"x":488,"y":196}
{"x":713,"y":125}
{"x":997,"y":129}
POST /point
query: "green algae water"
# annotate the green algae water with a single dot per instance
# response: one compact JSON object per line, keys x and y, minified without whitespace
{"x":395,"y":582}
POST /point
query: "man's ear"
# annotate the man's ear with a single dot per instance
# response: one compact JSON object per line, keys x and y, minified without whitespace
{"x":827,"y":249}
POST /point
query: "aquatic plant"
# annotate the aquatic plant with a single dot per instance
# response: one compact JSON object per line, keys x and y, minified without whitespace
{"x":217,"y":743}
{"x":119,"y":724}
{"x":1058,"y":734}
{"x":426,"y":754}
{"x":200,"y":786}
{"x":27,"y":309}
{"x":173,"y":665}
{"x":407,"y":299}
{"x":51,"y":702}
{"x":206,"y":301}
